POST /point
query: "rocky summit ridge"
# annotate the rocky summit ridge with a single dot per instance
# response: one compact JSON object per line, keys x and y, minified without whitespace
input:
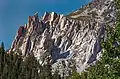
{"x":66,"y":40}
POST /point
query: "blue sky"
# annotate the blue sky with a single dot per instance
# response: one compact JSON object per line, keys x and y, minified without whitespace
{"x":14,"y":13}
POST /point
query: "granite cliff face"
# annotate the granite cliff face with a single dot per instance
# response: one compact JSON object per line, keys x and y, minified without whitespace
{"x":68,"y":40}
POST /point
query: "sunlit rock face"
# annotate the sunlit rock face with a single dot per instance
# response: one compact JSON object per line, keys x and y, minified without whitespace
{"x":68,"y":40}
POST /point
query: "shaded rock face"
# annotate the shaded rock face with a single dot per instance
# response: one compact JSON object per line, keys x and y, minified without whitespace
{"x":72,"y":39}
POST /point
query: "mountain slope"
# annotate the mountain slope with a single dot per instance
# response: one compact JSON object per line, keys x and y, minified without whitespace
{"x":68,"y":40}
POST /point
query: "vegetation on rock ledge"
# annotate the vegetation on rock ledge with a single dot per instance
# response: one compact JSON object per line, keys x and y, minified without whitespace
{"x":12,"y":66}
{"x":109,"y":65}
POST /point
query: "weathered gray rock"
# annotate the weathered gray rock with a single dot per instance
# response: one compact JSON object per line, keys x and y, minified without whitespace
{"x":70,"y":40}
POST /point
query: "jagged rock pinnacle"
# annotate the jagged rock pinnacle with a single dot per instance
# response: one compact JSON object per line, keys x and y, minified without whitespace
{"x":36,"y":14}
{"x":75,"y":37}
